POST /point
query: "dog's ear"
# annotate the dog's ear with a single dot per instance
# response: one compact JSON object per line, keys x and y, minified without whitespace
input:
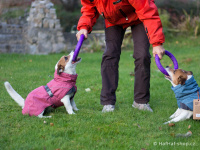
{"x":60,"y":69}
{"x":61,"y":66}
{"x":182,"y":79}
{"x":190,"y":73}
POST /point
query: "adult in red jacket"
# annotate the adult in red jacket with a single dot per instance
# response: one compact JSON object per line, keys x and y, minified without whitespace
{"x":143,"y":18}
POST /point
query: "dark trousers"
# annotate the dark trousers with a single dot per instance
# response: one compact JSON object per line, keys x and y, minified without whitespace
{"x":110,"y":62}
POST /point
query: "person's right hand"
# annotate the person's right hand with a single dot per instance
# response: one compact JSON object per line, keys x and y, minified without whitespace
{"x":82,"y":31}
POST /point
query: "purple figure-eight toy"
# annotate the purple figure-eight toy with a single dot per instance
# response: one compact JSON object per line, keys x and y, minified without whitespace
{"x":78,"y":47}
{"x":160,"y":67}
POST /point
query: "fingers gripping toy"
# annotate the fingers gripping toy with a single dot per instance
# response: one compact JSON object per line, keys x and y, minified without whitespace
{"x":160,"y":67}
{"x":78,"y":47}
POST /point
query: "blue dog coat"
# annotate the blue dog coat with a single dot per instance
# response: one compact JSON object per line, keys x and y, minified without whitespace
{"x":186,"y":93}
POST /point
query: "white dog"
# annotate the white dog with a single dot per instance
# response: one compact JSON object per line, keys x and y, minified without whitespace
{"x":185,"y":89}
{"x":58,"y":92}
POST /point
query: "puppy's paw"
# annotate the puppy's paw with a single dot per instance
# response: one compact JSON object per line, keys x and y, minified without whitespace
{"x":75,"y":108}
{"x":177,"y":113}
{"x":47,"y":116}
{"x":70,"y":112}
{"x":167,"y":122}
{"x":44,"y":116}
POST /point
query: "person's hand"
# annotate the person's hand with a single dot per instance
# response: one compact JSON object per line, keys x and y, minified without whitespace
{"x":82,"y":31}
{"x":159,"y":50}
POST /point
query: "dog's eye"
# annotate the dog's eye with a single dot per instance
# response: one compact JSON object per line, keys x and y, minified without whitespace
{"x":66,"y":58}
{"x":174,"y":71}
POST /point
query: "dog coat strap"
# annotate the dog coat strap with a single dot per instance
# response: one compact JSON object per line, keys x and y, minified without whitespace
{"x":48,"y":91}
{"x":72,"y":90}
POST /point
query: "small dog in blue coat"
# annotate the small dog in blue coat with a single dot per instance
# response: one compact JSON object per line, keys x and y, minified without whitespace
{"x":185,"y":88}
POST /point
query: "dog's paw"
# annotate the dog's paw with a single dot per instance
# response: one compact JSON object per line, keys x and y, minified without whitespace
{"x":75,"y":108}
{"x":47,"y":116}
{"x":71,"y":112}
{"x":177,"y":113}
{"x":167,"y":122}
{"x":40,"y":116}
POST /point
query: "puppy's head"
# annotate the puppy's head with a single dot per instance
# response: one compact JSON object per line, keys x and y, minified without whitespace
{"x":177,"y":76}
{"x":66,"y":65}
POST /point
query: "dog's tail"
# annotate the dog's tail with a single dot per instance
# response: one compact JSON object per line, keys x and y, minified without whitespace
{"x":18,"y":99}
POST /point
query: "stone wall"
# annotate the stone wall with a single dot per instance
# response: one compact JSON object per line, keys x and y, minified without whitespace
{"x":41,"y":34}
{"x":11,"y":38}
{"x":44,"y":32}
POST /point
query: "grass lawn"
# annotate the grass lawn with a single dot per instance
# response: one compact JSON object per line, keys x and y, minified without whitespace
{"x":88,"y":129}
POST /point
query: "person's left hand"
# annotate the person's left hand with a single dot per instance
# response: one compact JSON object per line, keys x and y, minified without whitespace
{"x":159,"y":50}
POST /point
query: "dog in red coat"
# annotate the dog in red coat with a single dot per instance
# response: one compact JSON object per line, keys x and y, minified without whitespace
{"x":58,"y":92}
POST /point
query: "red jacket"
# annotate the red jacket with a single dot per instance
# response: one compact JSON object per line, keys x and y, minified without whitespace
{"x":125,"y":13}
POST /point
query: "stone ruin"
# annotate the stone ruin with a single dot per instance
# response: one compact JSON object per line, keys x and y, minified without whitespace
{"x":42,"y":34}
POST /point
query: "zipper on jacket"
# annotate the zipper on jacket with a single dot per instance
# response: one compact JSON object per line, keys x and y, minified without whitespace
{"x":95,"y":14}
{"x":103,"y":15}
{"x":116,"y":2}
{"x":123,"y":14}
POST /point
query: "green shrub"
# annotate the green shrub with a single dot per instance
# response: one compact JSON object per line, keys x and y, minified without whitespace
{"x":165,"y":18}
{"x":13,"y":14}
{"x":95,"y":45}
{"x":190,"y":25}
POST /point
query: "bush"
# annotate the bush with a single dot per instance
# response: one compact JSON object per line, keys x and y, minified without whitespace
{"x":189,"y":25}
{"x":95,"y":45}
{"x":176,"y":7}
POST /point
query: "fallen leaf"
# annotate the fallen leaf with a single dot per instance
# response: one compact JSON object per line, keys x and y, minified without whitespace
{"x":172,"y":134}
{"x":189,"y":127}
{"x":30,"y":60}
{"x":51,"y":124}
{"x":171,"y":124}
{"x":132,"y":74}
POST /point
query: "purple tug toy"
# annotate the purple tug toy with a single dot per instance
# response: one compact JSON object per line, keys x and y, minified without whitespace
{"x":78,"y":47}
{"x":160,"y":67}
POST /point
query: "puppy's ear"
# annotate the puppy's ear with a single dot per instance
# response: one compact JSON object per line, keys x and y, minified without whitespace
{"x":182,"y":79}
{"x":190,"y":72}
{"x":61,"y":65}
{"x":60,"y":69}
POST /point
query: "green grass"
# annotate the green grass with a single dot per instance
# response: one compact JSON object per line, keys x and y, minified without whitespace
{"x":125,"y":128}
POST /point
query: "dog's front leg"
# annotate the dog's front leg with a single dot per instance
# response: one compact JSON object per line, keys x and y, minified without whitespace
{"x":66,"y":101}
{"x":183,"y":115}
{"x":74,"y":105}
{"x":41,"y":115}
{"x":177,"y":113}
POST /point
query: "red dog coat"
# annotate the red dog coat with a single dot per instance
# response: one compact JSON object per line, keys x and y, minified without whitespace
{"x":39,"y":99}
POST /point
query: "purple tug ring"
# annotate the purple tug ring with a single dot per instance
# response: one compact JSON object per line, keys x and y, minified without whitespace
{"x":160,"y":67}
{"x":78,"y":47}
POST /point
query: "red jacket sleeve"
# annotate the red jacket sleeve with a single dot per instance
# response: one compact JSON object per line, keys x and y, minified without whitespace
{"x":147,"y":12}
{"x":89,"y":15}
